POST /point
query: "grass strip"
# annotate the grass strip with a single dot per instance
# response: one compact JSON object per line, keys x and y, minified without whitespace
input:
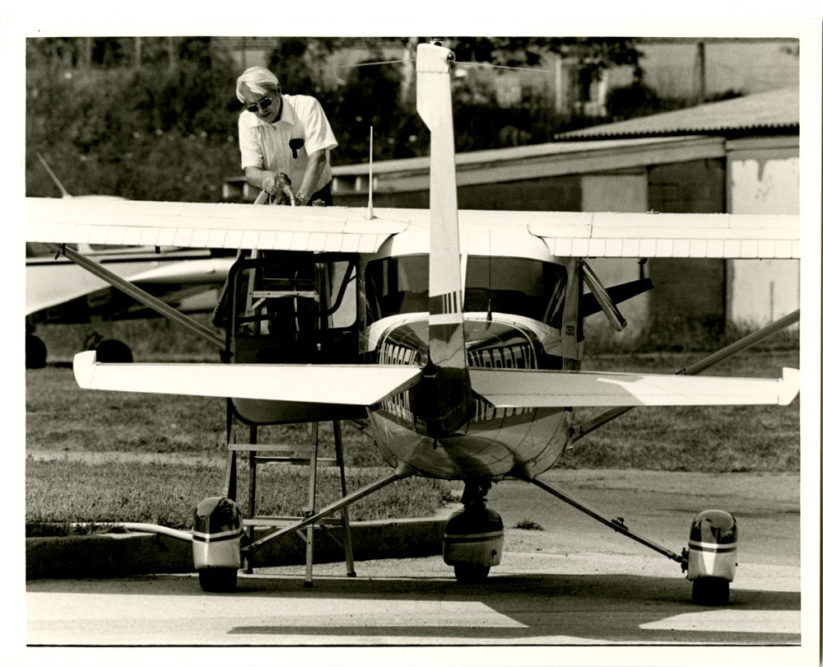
{"x":59,"y":492}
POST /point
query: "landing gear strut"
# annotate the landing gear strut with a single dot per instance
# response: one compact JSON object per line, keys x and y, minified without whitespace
{"x":473,"y":540}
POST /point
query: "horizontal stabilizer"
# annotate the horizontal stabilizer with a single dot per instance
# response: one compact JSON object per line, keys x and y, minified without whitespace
{"x":505,"y":388}
{"x":330,"y":383}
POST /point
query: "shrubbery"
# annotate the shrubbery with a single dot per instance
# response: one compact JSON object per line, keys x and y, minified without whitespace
{"x":154,"y":132}
{"x":165,"y":129}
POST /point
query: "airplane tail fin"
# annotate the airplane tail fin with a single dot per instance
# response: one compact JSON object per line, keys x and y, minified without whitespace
{"x":447,"y":395}
{"x":446,"y":340}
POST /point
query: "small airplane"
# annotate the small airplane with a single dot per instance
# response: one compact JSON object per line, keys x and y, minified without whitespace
{"x":458,"y":336}
{"x":59,"y":292}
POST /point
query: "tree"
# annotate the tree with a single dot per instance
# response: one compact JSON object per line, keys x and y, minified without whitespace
{"x":299,"y":63}
{"x":148,"y":132}
{"x":593,"y":54}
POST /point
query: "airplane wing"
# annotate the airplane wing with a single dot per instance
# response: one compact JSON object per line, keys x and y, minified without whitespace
{"x":505,"y":388}
{"x":55,"y":285}
{"x":198,"y":225}
{"x":317,"y":383}
{"x":699,"y":235}
{"x":344,"y":229}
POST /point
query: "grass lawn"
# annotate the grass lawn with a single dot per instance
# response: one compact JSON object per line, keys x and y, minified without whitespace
{"x":111,"y":456}
{"x":751,"y":438}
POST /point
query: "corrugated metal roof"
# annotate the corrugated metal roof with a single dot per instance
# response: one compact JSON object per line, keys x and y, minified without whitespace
{"x":497,"y":156}
{"x":538,"y":161}
{"x":776,"y":110}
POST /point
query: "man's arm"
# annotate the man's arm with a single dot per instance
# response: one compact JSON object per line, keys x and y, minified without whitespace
{"x":309,"y":184}
{"x":261,"y":179}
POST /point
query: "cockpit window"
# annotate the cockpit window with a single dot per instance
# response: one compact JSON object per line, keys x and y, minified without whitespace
{"x":514,"y":285}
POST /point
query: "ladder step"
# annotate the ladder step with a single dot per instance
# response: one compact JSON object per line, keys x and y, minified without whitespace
{"x":292,"y":460}
{"x":295,"y":460}
{"x":285,"y":294}
{"x":285,"y":283}
{"x":262,"y":447}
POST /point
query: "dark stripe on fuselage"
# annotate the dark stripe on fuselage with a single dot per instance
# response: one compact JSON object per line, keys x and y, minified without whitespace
{"x":712,"y":548}
{"x":211,"y":539}
{"x":473,"y":539}
{"x":442,"y":304}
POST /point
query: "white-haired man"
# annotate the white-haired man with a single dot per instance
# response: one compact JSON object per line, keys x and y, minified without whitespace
{"x":283,"y":135}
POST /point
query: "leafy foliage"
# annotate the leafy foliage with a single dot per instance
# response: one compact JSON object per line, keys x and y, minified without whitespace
{"x":155,"y":118}
{"x":636,"y":99}
{"x":595,"y":54}
{"x":153,"y":132}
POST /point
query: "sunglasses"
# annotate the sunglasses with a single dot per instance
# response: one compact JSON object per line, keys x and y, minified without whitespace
{"x":263,"y":104}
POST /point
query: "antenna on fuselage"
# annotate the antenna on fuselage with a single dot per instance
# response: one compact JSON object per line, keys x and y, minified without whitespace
{"x":371,"y":171}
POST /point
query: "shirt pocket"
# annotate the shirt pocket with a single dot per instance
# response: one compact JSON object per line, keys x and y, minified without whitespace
{"x":297,"y":147}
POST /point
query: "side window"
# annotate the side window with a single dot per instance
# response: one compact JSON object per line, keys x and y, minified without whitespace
{"x":341,"y":290}
{"x":397,"y":285}
{"x":516,"y":285}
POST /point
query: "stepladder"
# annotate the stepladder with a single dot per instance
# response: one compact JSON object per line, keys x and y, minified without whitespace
{"x":289,"y":453}
{"x":285,"y":308}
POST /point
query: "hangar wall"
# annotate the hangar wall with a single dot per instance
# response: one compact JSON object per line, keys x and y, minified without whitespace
{"x":764,"y":178}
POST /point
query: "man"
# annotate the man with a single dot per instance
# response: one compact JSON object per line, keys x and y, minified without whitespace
{"x":284,"y":140}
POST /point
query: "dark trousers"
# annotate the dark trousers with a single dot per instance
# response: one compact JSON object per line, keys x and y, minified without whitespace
{"x":322,"y":195}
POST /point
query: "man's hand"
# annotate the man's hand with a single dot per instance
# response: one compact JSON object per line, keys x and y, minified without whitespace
{"x":279,"y":186}
{"x":268,"y":182}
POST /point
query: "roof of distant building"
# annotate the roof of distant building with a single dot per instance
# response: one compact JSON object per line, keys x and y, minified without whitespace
{"x":772,"y":111}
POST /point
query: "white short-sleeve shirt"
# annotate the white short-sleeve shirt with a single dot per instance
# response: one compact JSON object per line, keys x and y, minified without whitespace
{"x":286,"y":144}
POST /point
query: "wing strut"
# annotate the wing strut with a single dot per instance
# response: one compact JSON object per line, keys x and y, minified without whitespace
{"x":694,"y":369}
{"x":143,"y":297}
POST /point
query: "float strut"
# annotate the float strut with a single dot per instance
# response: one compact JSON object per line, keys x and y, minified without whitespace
{"x":329,"y":509}
{"x":614,"y":524}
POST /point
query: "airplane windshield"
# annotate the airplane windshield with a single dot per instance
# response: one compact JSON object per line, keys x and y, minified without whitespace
{"x":513,"y":285}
